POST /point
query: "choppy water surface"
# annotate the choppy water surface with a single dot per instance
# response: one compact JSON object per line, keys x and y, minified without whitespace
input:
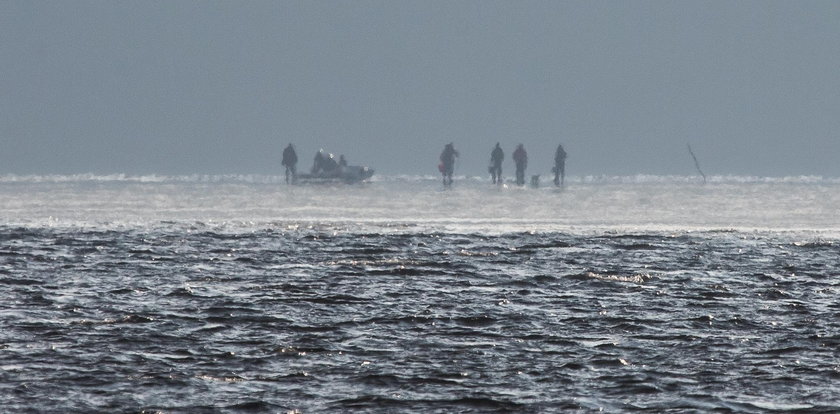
{"x":185,"y":297}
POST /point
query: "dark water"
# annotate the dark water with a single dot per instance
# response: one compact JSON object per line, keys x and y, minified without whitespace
{"x":192,"y":319}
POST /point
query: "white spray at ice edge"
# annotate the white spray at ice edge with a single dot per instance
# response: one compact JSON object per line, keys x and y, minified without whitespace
{"x":589,"y":203}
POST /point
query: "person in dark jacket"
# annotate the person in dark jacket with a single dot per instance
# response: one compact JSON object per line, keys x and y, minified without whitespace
{"x":329,"y":166}
{"x":496,"y":158}
{"x":290,"y":160}
{"x":520,"y":157}
{"x":447,"y":163}
{"x":559,"y":166}
{"x":318,"y":162}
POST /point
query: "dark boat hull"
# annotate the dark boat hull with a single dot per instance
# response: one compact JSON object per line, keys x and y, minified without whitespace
{"x":348,"y":175}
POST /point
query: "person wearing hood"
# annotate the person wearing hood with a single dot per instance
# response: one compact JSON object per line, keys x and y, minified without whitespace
{"x":290,"y":160}
{"x":447,"y":163}
{"x":496,"y":158}
{"x":318,"y":163}
{"x":520,"y":157}
{"x":559,"y":166}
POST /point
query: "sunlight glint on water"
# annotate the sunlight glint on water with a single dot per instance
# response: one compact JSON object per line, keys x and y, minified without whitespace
{"x":242,"y":294}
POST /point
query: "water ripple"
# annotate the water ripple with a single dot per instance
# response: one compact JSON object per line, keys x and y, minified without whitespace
{"x":316,"y":319}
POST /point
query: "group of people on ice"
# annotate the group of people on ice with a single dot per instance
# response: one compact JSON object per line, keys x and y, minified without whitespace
{"x":497,"y":155}
{"x":324,"y":167}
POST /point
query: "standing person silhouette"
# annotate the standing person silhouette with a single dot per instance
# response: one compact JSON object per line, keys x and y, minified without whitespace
{"x":290,"y":160}
{"x":318,"y":162}
{"x":520,"y":157}
{"x":447,"y":164}
{"x":496,"y":158}
{"x":559,"y":166}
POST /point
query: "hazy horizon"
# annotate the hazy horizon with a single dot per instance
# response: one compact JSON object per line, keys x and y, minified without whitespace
{"x":221,"y":87}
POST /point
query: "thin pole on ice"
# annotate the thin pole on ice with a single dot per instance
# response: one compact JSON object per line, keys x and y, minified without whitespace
{"x":696,"y":164}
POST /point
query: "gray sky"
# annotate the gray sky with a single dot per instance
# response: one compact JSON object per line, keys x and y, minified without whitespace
{"x":176,"y":87}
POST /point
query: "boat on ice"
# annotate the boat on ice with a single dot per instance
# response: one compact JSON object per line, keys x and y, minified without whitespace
{"x":350,"y":174}
{"x":326,"y":170}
